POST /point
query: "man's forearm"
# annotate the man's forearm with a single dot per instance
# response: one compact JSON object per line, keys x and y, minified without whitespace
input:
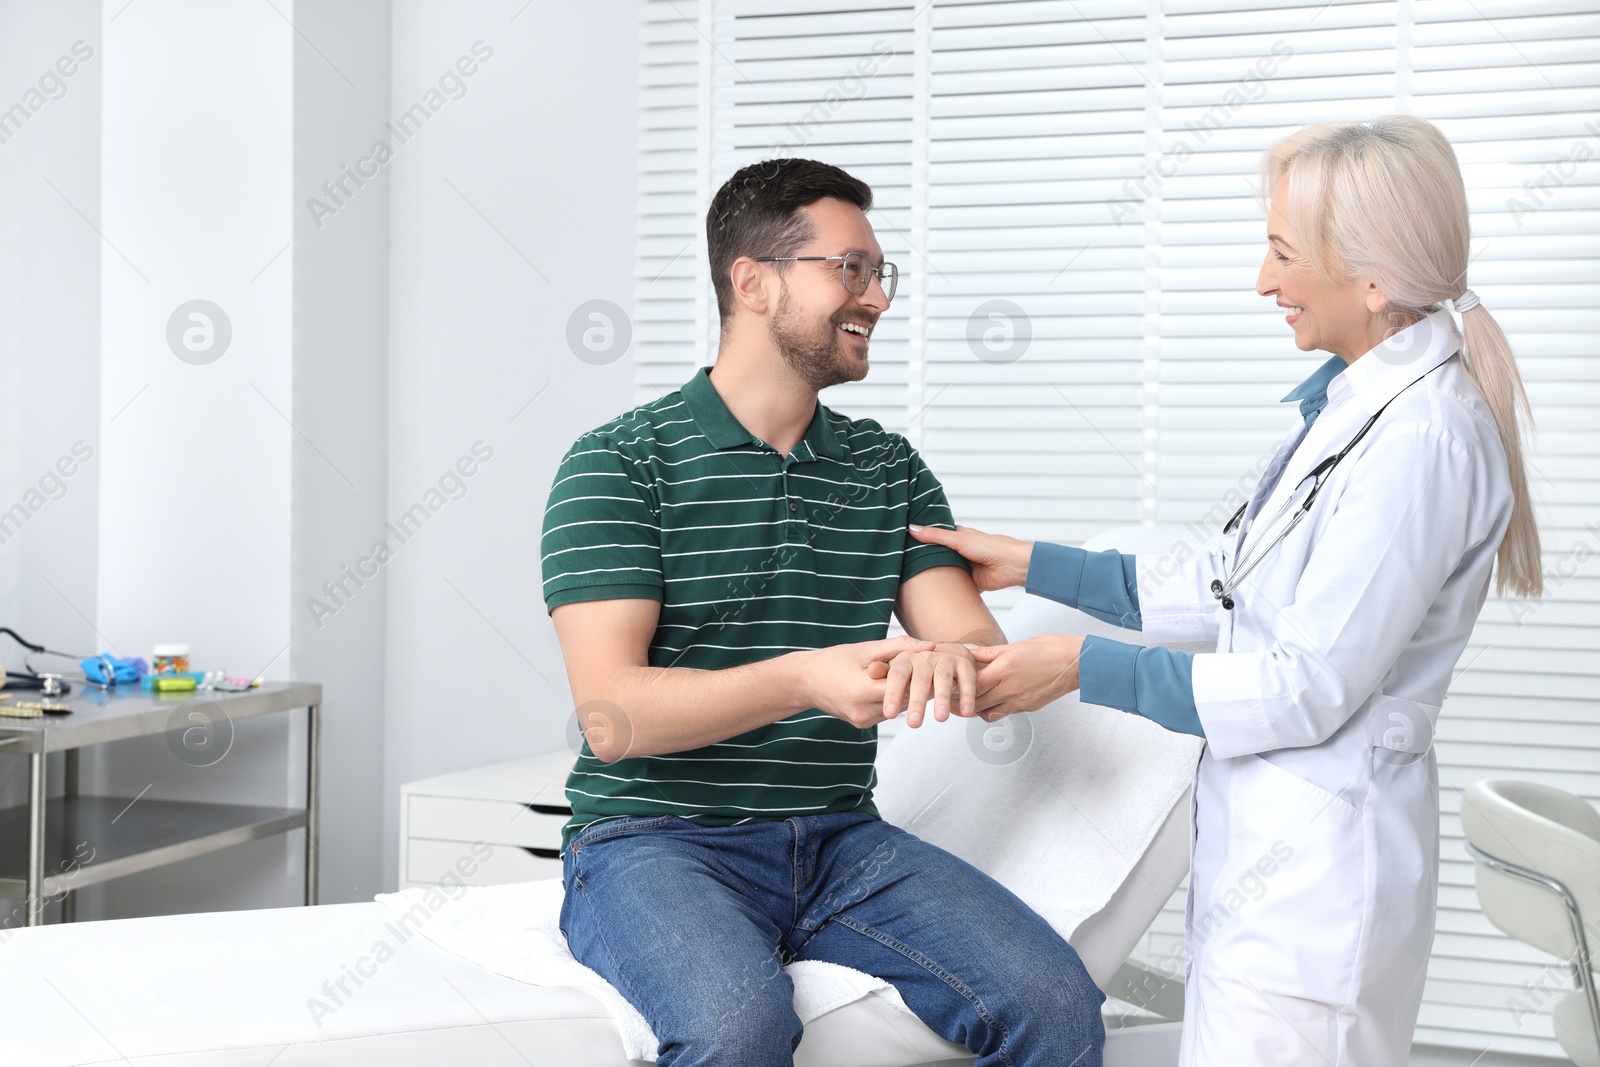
{"x":652,"y":711}
{"x":941,"y":604}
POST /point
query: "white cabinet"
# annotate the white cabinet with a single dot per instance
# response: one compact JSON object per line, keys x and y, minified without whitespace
{"x":485,"y":826}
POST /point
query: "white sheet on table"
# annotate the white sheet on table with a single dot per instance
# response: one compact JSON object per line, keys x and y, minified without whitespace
{"x":514,"y":931}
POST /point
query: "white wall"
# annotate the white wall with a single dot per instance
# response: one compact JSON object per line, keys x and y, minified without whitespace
{"x":416,"y":318}
{"x":195,"y":488}
{"x":49,"y":330}
{"x":510,"y":208}
{"x":341,"y":404}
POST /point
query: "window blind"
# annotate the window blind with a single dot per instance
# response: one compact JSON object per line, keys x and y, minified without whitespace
{"x":670,"y":273}
{"x":1037,"y":298}
{"x":1516,"y":88}
{"x":832,"y":83}
{"x":1069,"y":189}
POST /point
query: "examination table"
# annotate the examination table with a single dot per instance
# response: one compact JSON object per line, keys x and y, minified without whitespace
{"x":240,"y":989}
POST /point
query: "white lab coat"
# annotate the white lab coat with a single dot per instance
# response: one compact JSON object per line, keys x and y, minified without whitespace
{"x":1316,"y":802}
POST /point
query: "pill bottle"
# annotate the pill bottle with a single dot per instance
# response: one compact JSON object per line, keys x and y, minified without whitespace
{"x":171,"y":659}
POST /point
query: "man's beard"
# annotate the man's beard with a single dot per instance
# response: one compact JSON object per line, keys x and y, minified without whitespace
{"x":815,"y":354}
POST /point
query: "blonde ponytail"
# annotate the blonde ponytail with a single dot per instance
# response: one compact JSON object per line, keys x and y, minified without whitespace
{"x":1384,"y":200}
{"x":1493,"y":369}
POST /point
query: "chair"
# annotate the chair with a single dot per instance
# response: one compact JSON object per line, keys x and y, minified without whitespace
{"x":1537,"y":853}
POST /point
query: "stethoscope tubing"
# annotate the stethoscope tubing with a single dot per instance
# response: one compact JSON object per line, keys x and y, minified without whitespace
{"x":1247,"y":562}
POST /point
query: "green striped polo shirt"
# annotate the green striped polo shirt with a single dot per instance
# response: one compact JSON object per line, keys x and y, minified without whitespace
{"x":752,"y":554}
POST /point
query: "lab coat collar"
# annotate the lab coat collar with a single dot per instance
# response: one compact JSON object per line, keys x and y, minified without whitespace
{"x":1379,"y":375}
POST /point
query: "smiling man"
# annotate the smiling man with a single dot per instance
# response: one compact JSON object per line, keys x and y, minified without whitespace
{"x":721,"y":566}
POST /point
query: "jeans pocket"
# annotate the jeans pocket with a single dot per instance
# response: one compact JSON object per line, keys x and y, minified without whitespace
{"x":626,"y":824}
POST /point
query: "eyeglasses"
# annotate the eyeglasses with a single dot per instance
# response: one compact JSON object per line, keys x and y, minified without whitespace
{"x":855,"y":271}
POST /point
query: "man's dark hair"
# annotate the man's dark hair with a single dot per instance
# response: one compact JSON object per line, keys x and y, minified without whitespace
{"x":757,"y":213}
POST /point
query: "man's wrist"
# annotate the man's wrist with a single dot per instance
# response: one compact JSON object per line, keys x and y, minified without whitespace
{"x":794,"y":681}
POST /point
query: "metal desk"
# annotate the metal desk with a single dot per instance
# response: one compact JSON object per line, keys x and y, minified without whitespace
{"x":42,"y":843}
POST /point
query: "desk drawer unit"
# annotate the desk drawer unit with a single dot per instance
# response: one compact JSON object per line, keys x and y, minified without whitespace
{"x":487,"y":825}
{"x":499,"y":822}
{"x":523,"y":841}
{"x":476,"y":863}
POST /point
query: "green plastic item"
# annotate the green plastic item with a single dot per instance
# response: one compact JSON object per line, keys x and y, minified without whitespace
{"x":172,"y":683}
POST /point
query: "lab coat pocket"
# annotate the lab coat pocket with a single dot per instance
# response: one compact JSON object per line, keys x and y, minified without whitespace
{"x":1401,"y":729}
{"x":1294,"y":882}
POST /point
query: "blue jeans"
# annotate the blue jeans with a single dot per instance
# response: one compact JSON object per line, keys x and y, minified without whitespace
{"x":693,"y":924}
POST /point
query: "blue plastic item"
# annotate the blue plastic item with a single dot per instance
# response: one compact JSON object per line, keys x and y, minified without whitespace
{"x":113,"y":670}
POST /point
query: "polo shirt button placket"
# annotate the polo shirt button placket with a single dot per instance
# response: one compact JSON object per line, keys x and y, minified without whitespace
{"x":795,"y":529}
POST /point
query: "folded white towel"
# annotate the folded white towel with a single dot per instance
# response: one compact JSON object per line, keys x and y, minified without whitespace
{"x":514,"y":931}
{"x":1059,"y":805}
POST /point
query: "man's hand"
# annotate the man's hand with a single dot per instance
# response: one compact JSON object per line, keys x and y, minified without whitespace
{"x":947,"y":673}
{"x":1027,"y":675}
{"x":840,"y":680}
{"x":998,"y":561}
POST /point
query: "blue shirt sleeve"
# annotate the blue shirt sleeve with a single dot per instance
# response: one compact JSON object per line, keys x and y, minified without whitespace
{"x":1155,"y":682}
{"x":1102,"y":584}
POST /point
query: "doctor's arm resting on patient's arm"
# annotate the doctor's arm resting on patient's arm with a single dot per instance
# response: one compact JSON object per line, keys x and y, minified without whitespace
{"x":606,"y":644}
{"x":1155,"y":682}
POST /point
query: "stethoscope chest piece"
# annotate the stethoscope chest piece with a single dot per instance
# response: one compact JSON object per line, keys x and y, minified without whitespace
{"x":1218,"y":592}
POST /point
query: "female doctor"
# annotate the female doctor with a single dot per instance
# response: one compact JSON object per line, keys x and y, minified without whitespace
{"x":1340,"y":598}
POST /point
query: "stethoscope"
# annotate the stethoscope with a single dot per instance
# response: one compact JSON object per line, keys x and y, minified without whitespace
{"x":48,"y":684}
{"x":1300,"y":501}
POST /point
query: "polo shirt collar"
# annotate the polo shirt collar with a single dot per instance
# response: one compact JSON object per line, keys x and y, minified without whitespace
{"x":711,"y":415}
{"x":714,"y":419}
{"x":820,"y":437}
{"x":1379,"y":376}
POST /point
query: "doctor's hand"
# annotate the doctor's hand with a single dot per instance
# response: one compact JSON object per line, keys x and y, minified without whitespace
{"x":1027,"y":675}
{"x":948,"y":673}
{"x":998,"y":561}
